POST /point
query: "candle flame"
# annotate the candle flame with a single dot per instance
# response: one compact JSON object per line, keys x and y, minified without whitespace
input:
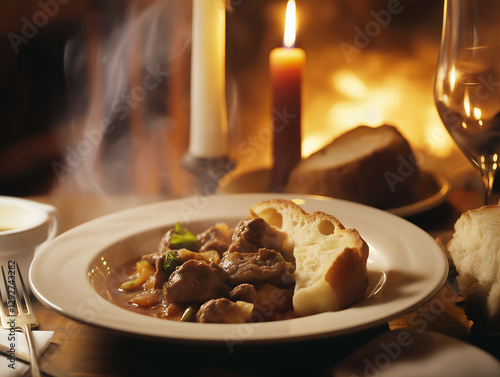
{"x":290,"y":21}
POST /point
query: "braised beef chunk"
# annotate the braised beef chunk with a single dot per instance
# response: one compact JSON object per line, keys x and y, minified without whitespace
{"x":165,"y":240}
{"x":214,"y":238}
{"x":160,"y":276}
{"x":250,"y":235}
{"x":195,"y":281}
{"x":151,"y":258}
{"x":219,"y":272}
{"x":244,"y":292}
{"x":266,"y":266}
{"x":219,"y":310}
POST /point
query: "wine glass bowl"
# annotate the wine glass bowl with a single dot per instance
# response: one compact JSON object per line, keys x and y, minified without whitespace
{"x":467,"y":83}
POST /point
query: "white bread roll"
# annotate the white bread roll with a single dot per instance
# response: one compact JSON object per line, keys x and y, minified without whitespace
{"x":369,"y":165}
{"x":475,"y":251}
{"x":330,"y":260}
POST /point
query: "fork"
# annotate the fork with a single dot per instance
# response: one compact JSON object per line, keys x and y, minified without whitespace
{"x":23,"y":320}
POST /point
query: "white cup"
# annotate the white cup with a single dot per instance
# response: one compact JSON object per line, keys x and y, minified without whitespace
{"x":24,"y":226}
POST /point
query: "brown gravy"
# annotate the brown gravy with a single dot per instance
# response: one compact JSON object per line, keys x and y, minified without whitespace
{"x":122,"y":298}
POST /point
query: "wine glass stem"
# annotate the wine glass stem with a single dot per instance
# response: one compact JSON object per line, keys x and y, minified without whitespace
{"x":488,"y":176}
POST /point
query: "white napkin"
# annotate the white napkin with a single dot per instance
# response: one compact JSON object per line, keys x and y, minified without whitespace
{"x":413,"y":353}
{"x":41,"y":339}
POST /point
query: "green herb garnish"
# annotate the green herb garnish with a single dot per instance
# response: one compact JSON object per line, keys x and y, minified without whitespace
{"x":189,"y":315}
{"x":183,"y":238}
{"x":170,"y":262}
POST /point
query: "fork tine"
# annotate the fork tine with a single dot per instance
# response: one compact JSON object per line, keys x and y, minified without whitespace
{"x":26,"y":296}
{"x":1,"y":298}
{"x":4,"y":280}
{"x":6,"y":290}
{"x":2,"y":309}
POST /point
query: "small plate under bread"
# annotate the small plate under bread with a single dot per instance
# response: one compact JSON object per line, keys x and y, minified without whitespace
{"x":432,"y":189}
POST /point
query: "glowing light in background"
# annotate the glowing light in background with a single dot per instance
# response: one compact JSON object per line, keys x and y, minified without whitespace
{"x":436,"y":138}
{"x":311,"y":144}
{"x":373,"y":101}
{"x":349,"y":84}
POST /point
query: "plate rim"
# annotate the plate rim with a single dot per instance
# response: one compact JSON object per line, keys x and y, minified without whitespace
{"x":427,"y":203}
{"x":437,"y":284}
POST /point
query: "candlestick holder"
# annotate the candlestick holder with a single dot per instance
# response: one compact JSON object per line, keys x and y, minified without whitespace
{"x":207,"y":171}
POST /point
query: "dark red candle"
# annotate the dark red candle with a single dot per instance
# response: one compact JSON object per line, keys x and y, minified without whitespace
{"x":286,"y":69}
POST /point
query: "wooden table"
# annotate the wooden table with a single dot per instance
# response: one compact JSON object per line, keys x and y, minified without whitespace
{"x":85,"y":350}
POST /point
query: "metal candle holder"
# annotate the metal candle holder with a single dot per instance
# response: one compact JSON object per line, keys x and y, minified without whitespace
{"x":207,"y":171}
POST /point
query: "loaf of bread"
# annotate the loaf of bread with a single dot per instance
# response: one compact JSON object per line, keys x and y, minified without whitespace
{"x":475,"y":251}
{"x":330,"y":260}
{"x":369,"y":165}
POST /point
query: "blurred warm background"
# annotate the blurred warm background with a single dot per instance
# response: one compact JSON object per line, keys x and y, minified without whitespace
{"x":94,"y":95}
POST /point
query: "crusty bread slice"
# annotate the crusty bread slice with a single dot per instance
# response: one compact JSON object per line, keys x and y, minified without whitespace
{"x":475,"y":251}
{"x":369,"y":165}
{"x":330,"y":260}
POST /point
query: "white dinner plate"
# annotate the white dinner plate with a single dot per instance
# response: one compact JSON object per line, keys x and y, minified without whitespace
{"x":415,"y":352}
{"x":406,"y":268}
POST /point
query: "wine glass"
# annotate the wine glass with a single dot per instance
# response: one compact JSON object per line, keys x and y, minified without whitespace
{"x":467,"y":82}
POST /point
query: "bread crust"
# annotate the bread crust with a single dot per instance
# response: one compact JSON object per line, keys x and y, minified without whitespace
{"x":330,"y":260}
{"x":373,"y":177}
{"x":348,"y":275}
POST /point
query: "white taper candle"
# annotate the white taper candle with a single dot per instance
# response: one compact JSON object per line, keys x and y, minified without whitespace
{"x":208,"y":131}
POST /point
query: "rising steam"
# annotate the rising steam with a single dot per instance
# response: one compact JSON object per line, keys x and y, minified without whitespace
{"x":126,"y":72}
